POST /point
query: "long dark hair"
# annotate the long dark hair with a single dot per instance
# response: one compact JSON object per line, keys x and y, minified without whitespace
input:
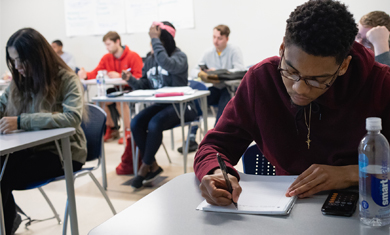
{"x":41,"y":65}
{"x":167,"y":39}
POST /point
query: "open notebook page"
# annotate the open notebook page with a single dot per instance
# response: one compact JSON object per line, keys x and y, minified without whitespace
{"x":260,"y":195}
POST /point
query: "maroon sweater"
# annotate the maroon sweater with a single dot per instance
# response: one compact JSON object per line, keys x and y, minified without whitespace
{"x":262,"y":111}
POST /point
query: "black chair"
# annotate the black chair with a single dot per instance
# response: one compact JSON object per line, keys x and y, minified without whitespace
{"x":93,"y":131}
{"x":255,"y":163}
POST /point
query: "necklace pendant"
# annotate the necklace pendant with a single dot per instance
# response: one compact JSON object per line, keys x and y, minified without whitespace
{"x":308,"y":142}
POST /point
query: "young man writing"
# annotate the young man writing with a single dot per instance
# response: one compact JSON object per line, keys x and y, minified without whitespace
{"x":374,"y":34}
{"x":118,"y":59}
{"x":305,"y":110}
{"x":221,"y":56}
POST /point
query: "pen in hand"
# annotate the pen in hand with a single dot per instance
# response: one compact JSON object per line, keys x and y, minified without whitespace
{"x":224,"y":173}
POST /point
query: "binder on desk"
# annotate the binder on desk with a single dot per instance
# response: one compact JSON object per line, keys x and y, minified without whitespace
{"x":260,"y":195}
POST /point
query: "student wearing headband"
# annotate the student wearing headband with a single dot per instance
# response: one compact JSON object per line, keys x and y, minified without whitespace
{"x":166,"y":66}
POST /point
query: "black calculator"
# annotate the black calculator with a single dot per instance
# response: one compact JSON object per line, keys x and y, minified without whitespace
{"x":341,"y":203}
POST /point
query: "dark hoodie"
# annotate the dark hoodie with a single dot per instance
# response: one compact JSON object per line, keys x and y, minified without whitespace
{"x":262,"y":111}
{"x":161,"y":70}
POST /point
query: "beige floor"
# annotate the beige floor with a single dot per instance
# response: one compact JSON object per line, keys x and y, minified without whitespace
{"x":92,"y":209}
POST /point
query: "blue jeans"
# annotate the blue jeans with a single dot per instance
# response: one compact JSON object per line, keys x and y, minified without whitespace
{"x":218,"y":97}
{"x":148,"y":126}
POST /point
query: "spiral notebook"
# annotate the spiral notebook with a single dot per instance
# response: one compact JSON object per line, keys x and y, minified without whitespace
{"x":260,"y":195}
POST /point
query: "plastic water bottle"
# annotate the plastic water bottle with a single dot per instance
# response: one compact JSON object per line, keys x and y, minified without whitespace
{"x":374,"y":160}
{"x":101,"y":84}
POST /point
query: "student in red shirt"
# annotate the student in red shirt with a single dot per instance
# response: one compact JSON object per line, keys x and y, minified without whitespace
{"x":119,"y":58}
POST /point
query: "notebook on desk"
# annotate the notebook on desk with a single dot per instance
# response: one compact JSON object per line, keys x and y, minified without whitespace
{"x":260,"y":195}
{"x":150,"y":92}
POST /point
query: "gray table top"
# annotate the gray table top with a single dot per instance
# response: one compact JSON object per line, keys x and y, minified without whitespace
{"x":170,"y":99}
{"x":21,"y":140}
{"x":170,"y":210}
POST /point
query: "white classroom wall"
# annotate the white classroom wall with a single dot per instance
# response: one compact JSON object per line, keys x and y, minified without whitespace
{"x":257,"y":27}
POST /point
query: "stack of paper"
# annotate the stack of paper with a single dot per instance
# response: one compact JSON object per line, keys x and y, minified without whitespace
{"x":142,"y":93}
{"x":260,"y":195}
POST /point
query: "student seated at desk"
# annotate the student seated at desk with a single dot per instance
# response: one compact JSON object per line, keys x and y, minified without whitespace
{"x":374,"y":34}
{"x":119,"y":58}
{"x":44,"y":94}
{"x":306,"y":110}
{"x":65,"y":56}
{"x":166,"y":66}
{"x":221,"y":56}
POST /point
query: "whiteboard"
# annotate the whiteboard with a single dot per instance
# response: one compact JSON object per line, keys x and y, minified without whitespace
{"x":94,"y":17}
{"x":97,"y":17}
{"x":141,"y":14}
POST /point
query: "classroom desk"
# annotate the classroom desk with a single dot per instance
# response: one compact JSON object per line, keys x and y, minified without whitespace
{"x":108,"y":81}
{"x":22,"y":140}
{"x":4,"y":83}
{"x":170,"y":210}
{"x":181,"y":100}
{"x":231,"y":85}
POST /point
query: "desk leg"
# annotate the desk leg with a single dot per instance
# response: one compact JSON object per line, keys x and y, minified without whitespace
{"x":133,"y":152}
{"x":68,"y":169}
{"x":2,"y":224}
{"x":204,"y":111}
{"x":123,"y":120}
{"x":182,"y":108}
{"x":87,"y":94}
{"x":104,"y":172}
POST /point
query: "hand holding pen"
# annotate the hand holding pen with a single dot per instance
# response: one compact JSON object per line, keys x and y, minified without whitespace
{"x":223,"y":167}
{"x":214,"y":188}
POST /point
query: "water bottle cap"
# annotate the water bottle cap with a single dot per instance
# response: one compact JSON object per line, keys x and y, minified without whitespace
{"x":373,"y":124}
{"x":100,"y":72}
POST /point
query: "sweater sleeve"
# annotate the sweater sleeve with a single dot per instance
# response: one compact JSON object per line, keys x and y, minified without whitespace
{"x":238,"y":61}
{"x":137,"y":64}
{"x":71,"y":115}
{"x":101,"y":66}
{"x":174,"y":64}
{"x":3,"y":102}
{"x":383,"y":58}
{"x":233,"y":132}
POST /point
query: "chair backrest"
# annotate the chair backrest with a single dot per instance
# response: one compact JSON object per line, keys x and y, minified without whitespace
{"x":197,"y":86}
{"x":93,"y":130}
{"x":255,"y":163}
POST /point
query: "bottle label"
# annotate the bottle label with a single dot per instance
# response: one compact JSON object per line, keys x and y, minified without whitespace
{"x":363,"y":163}
{"x":380,"y":191}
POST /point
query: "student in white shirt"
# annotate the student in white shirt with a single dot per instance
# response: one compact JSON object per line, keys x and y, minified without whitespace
{"x":221,"y":56}
{"x":65,"y":56}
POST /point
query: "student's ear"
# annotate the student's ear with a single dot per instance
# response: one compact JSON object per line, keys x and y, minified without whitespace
{"x":345,"y":65}
{"x":281,"y":48}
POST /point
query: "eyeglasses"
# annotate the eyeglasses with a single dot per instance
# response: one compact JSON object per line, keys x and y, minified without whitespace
{"x":310,"y":81}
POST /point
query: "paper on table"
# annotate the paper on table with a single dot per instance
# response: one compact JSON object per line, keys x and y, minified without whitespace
{"x":168,"y":89}
{"x":260,"y":195}
{"x":141,"y":93}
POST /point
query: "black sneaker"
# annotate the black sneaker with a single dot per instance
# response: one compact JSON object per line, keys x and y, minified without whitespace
{"x":137,"y":182}
{"x":152,"y":176}
{"x":17,"y":222}
{"x":192,"y":147}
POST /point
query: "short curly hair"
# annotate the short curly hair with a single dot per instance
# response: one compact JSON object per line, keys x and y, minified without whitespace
{"x":322,"y":28}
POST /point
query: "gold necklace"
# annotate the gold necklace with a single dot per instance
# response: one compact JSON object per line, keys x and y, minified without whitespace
{"x":308,"y":127}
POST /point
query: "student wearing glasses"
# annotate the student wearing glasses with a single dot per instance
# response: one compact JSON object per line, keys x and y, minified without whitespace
{"x":374,"y":34}
{"x":305,"y":110}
